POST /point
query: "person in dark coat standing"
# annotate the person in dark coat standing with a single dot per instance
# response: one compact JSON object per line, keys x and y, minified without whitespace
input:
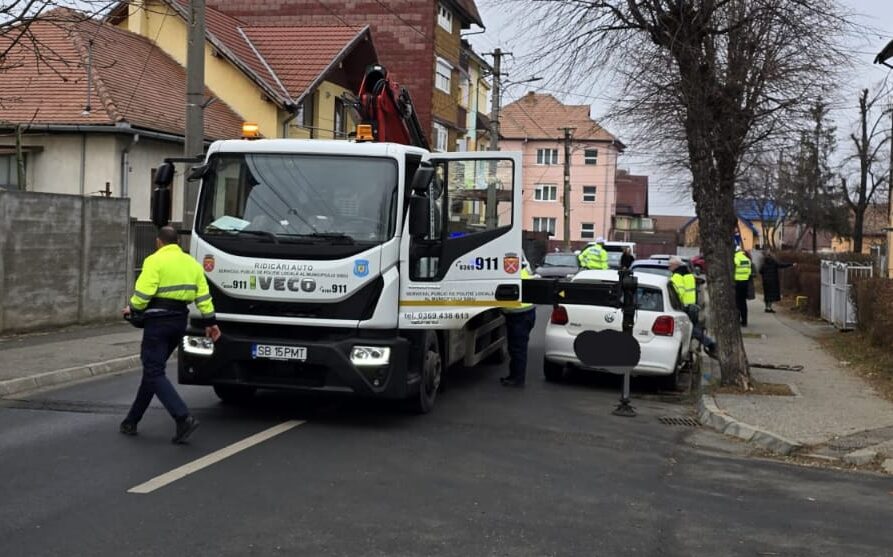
{"x":771,"y":281}
{"x":626,"y":260}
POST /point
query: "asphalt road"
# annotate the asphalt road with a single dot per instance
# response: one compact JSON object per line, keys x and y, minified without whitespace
{"x":492,"y":471}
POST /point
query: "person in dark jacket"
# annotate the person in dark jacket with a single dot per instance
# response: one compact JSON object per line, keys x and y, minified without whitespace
{"x":626,"y":260}
{"x":771,"y":282}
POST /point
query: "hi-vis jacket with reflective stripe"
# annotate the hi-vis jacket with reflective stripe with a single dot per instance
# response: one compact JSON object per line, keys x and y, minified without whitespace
{"x":686,"y":286}
{"x":594,"y":257}
{"x":525,"y":274}
{"x":742,"y":267}
{"x":170,"y":274}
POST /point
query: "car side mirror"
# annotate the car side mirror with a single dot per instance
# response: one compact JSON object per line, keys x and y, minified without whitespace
{"x":419,"y":216}
{"x":164,"y":175}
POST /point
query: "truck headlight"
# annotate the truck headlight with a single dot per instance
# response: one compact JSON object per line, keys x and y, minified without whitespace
{"x":200,"y":346}
{"x":370,"y":355}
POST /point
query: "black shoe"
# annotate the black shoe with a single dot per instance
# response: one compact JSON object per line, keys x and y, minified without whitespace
{"x":744,"y":324}
{"x":128,"y":428}
{"x":770,"y":310}
{"x":509,"y":382}
{"x":711,"y":351}
{"x":185,"y":427}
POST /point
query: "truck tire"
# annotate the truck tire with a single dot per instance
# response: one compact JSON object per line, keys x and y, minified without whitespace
{"x":498,"y":358}
{"x":431,"y":369}
{"x":554,"y":372}
{"x":234,"y":394}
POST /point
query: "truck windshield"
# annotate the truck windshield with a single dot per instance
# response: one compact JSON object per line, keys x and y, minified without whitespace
{"x":285,"y":198}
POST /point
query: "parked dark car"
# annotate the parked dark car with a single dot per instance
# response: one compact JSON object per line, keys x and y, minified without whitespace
{"x":558,"y":265}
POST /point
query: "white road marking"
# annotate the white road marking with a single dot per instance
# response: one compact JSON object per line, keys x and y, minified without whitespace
{"x":209,"y":459}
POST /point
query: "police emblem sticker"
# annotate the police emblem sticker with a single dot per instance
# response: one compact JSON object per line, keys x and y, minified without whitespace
{"x":360,"y":268}
{"x":511,"y":263}
{"x":208,"y":263}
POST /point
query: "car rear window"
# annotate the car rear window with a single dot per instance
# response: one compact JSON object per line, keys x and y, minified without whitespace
{"x":650,"y":299}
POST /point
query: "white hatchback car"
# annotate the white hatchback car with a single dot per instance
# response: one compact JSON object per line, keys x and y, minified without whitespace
{"x":662,"y":328}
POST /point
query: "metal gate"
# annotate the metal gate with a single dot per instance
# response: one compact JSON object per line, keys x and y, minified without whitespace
{"x":838,"y":306}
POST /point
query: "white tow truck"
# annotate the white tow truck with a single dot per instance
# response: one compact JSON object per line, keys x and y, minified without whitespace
{"x":350,"y":266}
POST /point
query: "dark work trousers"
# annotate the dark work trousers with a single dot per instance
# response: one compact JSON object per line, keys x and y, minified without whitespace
{"x":161,"y":336}
{"x":517,"y":327}
{"x":741,"y":287}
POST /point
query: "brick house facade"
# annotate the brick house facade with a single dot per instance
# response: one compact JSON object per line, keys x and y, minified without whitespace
{"x":409,"y":35}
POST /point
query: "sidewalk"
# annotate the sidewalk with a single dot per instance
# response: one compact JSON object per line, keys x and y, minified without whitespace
{"x":37,"y":360}
{"x":833,"y":415}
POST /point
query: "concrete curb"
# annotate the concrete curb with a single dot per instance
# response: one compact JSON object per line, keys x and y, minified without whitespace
{"x":67,"y":375}
{"x":711,"y":416}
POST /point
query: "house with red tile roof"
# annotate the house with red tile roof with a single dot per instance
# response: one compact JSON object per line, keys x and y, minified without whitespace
{"x":532,"y":125}
{"x":97,"y":109}
{"x":293,"y":81}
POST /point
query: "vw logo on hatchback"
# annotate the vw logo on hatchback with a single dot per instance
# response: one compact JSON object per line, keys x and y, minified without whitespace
{"x":609,"y":317}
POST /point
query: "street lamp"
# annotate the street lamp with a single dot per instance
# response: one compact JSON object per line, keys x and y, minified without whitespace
{"x":885,"y":54}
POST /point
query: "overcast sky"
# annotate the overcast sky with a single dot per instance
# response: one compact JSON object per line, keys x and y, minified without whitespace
{"x":668,"y":197}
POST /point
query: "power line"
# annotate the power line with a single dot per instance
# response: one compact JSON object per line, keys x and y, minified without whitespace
{"x":334,"y":13}
{"x":152,"y":48}
{"x":403,"y":21}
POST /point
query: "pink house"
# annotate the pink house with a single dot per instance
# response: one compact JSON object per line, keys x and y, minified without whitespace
{"x":533,"y":125}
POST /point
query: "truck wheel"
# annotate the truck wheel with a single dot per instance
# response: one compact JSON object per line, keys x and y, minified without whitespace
{"x":234,"y":394}
{"x":498,"y":358}
{"x":431,"y":371}
{"x":553,"y":371}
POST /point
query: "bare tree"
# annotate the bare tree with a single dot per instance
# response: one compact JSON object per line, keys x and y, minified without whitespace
{"x":710,"y":80}
{"x":868,"y":141}
{"x":760,"y":186}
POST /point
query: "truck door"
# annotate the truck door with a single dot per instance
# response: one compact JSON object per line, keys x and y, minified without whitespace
{"x":469,"y":258}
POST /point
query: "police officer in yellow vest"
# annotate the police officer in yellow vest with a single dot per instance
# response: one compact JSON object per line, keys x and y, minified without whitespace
{"x":169,"y":282}
{"x":594,"y":256}
{"x":742,"y":277}
{"x":519,"y":321}
{"x":683,"y":282}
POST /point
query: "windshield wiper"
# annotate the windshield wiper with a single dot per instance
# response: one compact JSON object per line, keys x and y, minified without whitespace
{"x":342,"y":238}
{"x":235,"y":232}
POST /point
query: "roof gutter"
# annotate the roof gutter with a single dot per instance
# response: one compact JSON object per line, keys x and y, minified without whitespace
{"x":102,"y":128}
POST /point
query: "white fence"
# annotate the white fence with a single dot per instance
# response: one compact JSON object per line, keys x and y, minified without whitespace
{"x":838,"y":306}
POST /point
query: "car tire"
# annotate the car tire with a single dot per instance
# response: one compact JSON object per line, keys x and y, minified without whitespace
{"x":672,"y":382}
{"x":553,"y":371}
{"x":431,"y":369}
{"x":234,"y":394}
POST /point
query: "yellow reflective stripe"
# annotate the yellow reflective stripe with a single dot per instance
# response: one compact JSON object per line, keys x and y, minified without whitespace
{"x":139,"y":294}
{"x":460,"y":303}
{"x":201,"y":299}
{"x":177,"y":287}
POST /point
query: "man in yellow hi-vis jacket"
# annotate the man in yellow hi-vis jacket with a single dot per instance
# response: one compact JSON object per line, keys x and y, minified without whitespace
{"x":169,"y":282}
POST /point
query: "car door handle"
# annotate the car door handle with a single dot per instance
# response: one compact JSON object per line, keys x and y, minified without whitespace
{"x":507,"y":292}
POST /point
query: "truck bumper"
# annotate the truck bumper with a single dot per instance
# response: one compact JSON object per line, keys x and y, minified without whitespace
{"x":328,"y":367}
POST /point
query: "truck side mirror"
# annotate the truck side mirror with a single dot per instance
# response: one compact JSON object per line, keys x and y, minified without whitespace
{"x":419,"y":216}
{"x":197,"y":173}
{"x":164,"y":175}
{"x":422,"y":178}
{"x":161,"y":206}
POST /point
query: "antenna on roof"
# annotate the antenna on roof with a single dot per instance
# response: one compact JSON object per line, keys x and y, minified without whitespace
{"x":87,"y":107}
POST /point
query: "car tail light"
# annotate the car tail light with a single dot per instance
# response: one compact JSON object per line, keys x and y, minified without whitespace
{"x":664,"y":326}
{"x":559,"y":315}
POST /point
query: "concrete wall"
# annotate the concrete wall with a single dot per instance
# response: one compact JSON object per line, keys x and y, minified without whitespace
{"x":64,"y":259}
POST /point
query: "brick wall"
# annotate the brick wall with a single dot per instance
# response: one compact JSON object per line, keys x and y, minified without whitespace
{"x":402,"y":30}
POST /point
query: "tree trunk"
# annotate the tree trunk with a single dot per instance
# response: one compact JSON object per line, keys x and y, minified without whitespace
{"x":858,"y":225}
{"x":718,"y":248}
{"x":815,"y":241}
{"x":20,"y":160}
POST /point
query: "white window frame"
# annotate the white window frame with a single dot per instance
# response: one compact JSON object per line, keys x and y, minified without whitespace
{"x":441,"y":137}
{"x":586,"y":198}
{"x":587,"y":233}
{"x":587,"y":158}
{"x":464,"y":91}
{"x":545,"y":224}
{"x":543,"y":157}
{"x":443,"y":75}
{"x":542,"y":192}
{"x":445,"y":18}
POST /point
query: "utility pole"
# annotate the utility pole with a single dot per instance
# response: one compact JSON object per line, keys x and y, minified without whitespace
{"x":890,"y":205}
{"x":195,"y":99}
{"x":497,"y":55}
{"x":568,"y":136}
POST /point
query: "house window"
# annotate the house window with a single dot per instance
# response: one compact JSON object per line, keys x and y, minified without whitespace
{"x":590,"y":156}
{"x":340,"y":120}
{"x":547,"y":156}
{"x":444,"y":18}
{"x":544,"y":224}
{"x":464,"y":95}
{"x":441,"y":137}
{"x":442,"y":75}
{"x":545,"y":192}
{"x":587,"y":231}
{"x":9,"y":173}
{"x":462,"y":144}
{"x":589,"y":194}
